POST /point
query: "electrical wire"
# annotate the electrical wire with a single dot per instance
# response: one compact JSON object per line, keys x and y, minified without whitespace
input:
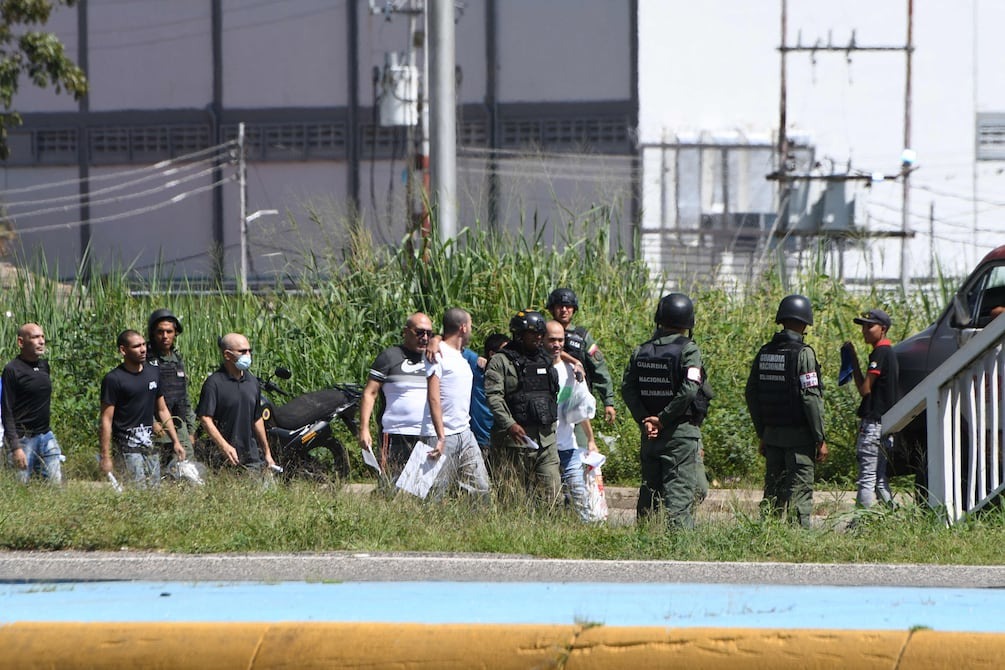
{"x":965,"y":198}
{"x":134,"y":212}
{"x":174,"y":183}
{"x":545,"y":174}
{"x":177,"y":36}
{"x":103,"y":191}
{"x":118,"y":175}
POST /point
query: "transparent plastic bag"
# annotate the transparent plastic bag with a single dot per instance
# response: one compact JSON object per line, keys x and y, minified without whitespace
{"x":595,"y":487}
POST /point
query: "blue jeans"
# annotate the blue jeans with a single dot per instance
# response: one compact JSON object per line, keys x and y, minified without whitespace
{"x":142,"y":470}
{"x":574,"y":481}
{"x":44,"y":456}
{"x":871,"y":450}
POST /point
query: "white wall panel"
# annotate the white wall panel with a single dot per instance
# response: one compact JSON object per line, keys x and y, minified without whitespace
{"x":150,"y":55}
{"x":564,"y":50}
{"x":311,"y":217}
{"x":177,"y":236}
{"x":284,"y":54}
{"x":59,"y":247}
{"x":62,"y":22}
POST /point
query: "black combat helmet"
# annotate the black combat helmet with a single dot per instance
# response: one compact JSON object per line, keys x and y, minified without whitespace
{"x":159,"y":315}
{"x":562,"y":296}
{"x":795,"y":307}
{"x":527,"y":319}
{"x":675,"y":311}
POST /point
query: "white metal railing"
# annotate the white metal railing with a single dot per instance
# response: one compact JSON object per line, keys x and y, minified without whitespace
{"x":964,"y":402}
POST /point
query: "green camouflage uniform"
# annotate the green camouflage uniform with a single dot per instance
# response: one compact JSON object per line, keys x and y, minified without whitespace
{"x":669,"y":462}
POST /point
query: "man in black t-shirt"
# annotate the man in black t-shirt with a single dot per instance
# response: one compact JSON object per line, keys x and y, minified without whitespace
{"x":27,"y":391}
{"x":131,"y":401}
{"x":229,"y":408}
{"x":878,"y":388}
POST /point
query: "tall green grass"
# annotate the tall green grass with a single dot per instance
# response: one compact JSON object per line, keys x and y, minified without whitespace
{"x":350,"y":304}
{"x":233,"y":514}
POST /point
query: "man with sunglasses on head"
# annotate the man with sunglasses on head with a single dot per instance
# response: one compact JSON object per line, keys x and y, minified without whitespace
{"x":229,"y":408}
{"x":397,"y":377}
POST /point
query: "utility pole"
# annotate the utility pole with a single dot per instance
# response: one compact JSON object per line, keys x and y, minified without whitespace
{"x":418,"y":172}
{"x":242,"y":189}
{"x":444,"y":121}
{"x":415,"y":120}
{"x":785,"y":173}
{"x":905,"y":213}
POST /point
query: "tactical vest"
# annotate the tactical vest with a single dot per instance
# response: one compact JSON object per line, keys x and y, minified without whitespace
{"x":575,"y":344}
{"x":534,"y":402}
{"x":173,"y":386}
{"x":657,"y":371}
{"x":777,"y":372}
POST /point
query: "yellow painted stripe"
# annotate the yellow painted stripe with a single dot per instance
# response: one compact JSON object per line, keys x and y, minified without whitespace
{"x":253,"y":646}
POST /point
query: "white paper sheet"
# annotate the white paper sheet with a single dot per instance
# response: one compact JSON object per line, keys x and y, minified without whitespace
{"x":371,"y":460}
{"x":420,"y":471}
{"x":593,"y":459}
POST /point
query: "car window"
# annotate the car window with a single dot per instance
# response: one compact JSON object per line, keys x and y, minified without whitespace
{"x":987,"y":294}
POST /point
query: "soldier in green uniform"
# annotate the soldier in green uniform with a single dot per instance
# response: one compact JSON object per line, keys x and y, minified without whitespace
{"x":521,"y":390}
{"x":785,"y":398}
{"x":563,"y":305}
{"x":664,"y":389}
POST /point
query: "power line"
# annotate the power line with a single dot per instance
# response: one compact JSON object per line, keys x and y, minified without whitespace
{"x":117,"y":175}
{"x":122,"y":215}
{"x":111,"y":189}
{"x":104,"y":201}
{"x":177,"y":36}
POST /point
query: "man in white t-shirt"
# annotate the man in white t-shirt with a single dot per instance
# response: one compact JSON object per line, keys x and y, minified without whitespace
{"x":570,"y":463}
{"x":446,"y":426}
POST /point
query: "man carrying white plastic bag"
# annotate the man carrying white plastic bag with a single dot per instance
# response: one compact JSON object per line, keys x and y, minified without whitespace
{"x":576,"y":405}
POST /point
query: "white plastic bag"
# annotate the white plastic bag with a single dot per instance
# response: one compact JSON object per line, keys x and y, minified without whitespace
{"x":581,"y":406}
{"x":595,"y":487}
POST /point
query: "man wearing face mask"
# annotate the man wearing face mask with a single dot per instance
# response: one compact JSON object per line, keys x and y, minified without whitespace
{"x":229,"y":408}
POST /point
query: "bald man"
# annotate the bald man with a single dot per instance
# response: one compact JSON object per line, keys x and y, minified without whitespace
{"x":398,"y":379}
{"x":27,"y":392}
{"x":229,"y":408}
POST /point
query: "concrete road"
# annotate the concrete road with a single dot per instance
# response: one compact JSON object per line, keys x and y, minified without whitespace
{"x":357,"y":567}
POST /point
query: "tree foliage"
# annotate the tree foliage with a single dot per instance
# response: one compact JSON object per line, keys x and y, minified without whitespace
{"x":27,"y":53}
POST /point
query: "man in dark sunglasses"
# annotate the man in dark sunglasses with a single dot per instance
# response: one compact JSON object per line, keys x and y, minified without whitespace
{"x":229,"y":408}
{"x":397,"y":378}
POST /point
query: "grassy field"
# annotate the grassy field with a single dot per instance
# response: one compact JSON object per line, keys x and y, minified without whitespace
{"x":347,"y":309}
{"x":235,"y":515}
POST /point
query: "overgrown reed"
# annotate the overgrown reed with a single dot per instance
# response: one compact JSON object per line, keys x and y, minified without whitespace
{"x":348,"y":308}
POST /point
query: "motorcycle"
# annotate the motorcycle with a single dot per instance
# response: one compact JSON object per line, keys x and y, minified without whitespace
{"x":300,"y":430}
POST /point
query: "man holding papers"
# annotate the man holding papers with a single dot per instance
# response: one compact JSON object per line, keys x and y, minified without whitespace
{"x":446,"y":426}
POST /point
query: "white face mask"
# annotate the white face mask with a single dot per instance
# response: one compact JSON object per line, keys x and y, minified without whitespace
{"x":243,"y":362}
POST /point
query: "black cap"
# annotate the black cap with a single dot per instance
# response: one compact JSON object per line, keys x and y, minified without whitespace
{"x":874,"y":316}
